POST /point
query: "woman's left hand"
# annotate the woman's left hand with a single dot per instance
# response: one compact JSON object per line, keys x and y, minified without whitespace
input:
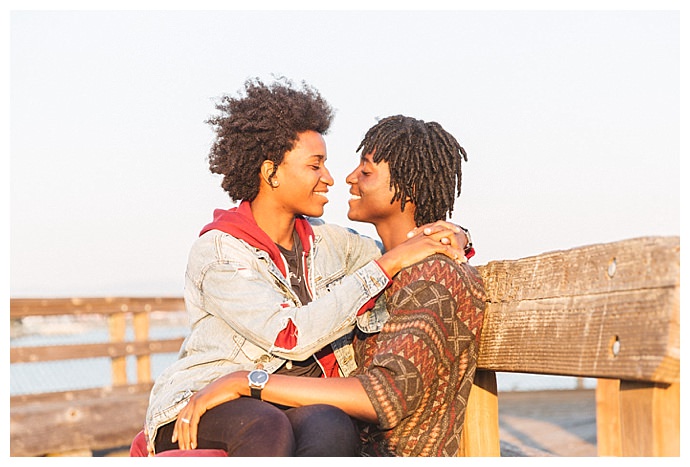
{"x":221,"y":390}
{"x":451,"y":234}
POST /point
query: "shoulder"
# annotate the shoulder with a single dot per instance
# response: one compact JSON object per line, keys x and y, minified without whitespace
{"x":429,"y":269}
{"x":212,"y":238}
{"x":216,"y":245}
{"x":439,"y":262}
{"x":315,"y":221}
{"x":320,"y":227}
{"x":338,"y":233}
{"x":206,"y":241}
{"x":441,"y":272}
{"x":328,"y":232}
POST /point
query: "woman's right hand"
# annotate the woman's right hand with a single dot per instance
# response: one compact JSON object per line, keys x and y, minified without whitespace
{"x":437,"y":239}
{"x":222,"y":390}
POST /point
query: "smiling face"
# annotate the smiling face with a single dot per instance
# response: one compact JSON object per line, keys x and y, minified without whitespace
{"x":302,"y":178}
{"x":371,"y":193}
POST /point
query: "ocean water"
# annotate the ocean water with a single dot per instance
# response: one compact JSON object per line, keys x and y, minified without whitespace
{"x":39,"y":377}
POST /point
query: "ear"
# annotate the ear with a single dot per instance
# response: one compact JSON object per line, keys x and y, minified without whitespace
{"x":267,"y":171}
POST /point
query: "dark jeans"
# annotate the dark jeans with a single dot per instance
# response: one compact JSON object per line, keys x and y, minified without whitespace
{"x":248,"y":427}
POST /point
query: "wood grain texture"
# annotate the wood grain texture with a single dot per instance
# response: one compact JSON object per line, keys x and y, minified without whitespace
{"x":22,"y":307}
{"x":54,"y":427}
{"x":572,"y":313}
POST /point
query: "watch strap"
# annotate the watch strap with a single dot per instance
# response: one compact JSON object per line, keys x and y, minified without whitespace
{"x":469,"y":247}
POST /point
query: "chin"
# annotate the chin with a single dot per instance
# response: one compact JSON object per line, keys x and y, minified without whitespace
{"x":314,"y":212}
{"x":354,"y":217}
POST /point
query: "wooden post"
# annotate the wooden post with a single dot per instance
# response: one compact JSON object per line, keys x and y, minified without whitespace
{"x":480,"y":434}
{"x":638,"y":418}
{"x":650,"y":419}
{"x":667,"y":420}
{"x":141,"y":333}
{"x":608,"y":418}
{"x":117,"y":326}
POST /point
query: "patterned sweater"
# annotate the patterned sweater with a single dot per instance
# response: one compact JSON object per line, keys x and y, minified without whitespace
{"x":419,"y":369}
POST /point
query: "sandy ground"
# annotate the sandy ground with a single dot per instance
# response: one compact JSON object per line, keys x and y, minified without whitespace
{"x":548,"y":423}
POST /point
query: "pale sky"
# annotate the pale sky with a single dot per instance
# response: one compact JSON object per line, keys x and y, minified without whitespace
{"x":571,"y":122}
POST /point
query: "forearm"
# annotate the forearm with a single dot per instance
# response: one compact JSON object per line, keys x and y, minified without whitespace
{"x":258,"y":310}
{"x":295,"y":391}
{"x":345,"y":393}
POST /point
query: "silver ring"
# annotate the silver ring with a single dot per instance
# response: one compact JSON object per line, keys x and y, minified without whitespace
{"x":184,"y":420}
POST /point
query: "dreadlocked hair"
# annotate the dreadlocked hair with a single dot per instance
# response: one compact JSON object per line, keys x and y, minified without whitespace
{"x":263,"y":124}
{"x":425,"y":164}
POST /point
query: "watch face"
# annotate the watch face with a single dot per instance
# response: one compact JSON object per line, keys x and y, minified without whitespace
{"x":258,"y":377}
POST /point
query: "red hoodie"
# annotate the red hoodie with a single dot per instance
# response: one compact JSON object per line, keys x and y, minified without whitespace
{"x":240,"y":223}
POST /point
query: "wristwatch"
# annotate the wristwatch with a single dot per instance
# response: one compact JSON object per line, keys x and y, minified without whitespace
{"x":257,"y":381}
{"x":468,"y":247}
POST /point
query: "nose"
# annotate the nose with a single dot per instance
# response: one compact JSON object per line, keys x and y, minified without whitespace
{"x":326,"y":177}
{"x":352,"y":178}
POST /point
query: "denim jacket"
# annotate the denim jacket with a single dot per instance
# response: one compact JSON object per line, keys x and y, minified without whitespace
{"x":238,"y":301}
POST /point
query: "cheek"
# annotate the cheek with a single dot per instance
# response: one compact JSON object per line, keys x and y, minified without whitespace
{"x":302,"y":182}
{"x":371,"y":203}
{"x":377,"y":194}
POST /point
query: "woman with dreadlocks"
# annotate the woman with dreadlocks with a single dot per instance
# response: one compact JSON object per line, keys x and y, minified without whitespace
{"x":413,"y":378}
{"x":269,"y":288}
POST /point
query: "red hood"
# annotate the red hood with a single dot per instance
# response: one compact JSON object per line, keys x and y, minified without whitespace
{"x":239,"y":222}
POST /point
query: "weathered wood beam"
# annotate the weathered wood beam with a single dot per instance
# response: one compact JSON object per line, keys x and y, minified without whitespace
{"x":23,"y":307}
{"x":609,"y":310}
{"x":41,"y":429}
{"x":76,"y":351}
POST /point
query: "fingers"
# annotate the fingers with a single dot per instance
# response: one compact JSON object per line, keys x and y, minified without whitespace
{"x":455,"y":254}
{"x":181,"y":434}
{"x":427,"y":229}
{"x":432,"y":230}
{"x":426,"y":245}
{"x":450,"y":249}
{"x":446,"y":237}
{"x":185,"y":430}
{"x":435,"y":227}
{"x":177,"y":434}
{"x":193,"y":426}
{"x":450,"y":234}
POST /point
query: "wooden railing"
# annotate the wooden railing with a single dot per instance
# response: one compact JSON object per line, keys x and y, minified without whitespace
{"x":86,"y":420}
{"x":608,"y":311}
